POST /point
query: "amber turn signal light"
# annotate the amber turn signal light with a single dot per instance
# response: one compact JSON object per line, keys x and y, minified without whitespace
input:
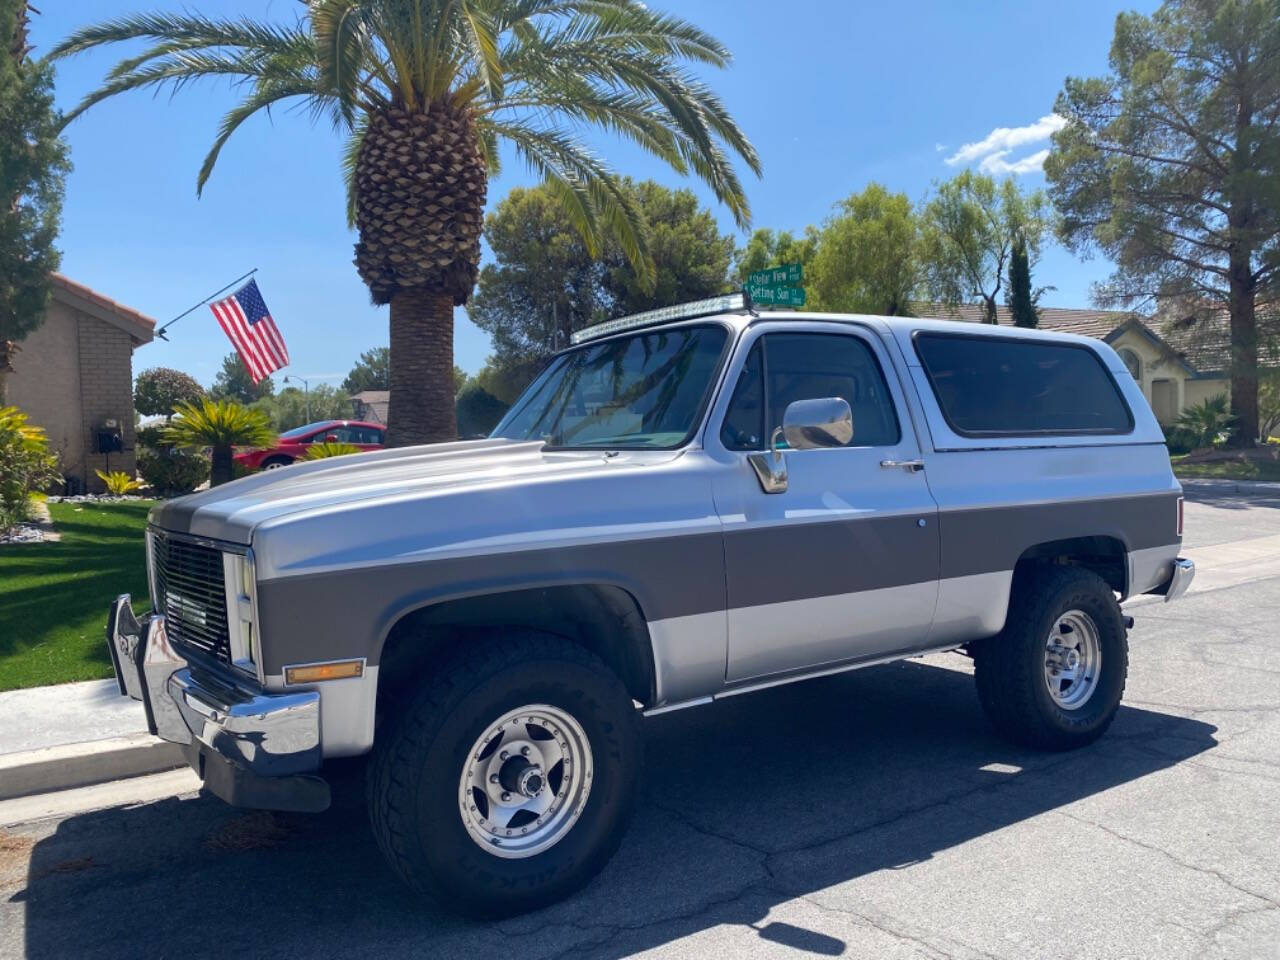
{"x":338,"y":670}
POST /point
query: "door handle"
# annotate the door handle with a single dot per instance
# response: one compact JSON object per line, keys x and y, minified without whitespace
{"x":912,"y":465}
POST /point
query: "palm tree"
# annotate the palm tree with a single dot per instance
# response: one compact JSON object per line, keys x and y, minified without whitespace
{"x":426,"y":91}
{"x":222,"y":425}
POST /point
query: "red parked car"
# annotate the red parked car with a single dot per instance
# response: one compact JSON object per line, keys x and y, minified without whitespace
{"x":293,"y":443}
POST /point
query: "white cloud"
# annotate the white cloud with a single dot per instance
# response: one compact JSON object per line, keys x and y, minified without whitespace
{"x":939,"y":147}
{"x":995,"y":163}
{"x":992,"y":151}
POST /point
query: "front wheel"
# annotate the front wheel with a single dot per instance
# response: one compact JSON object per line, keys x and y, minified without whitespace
{"x":507,"y":783}
{"x":1053,"y":678}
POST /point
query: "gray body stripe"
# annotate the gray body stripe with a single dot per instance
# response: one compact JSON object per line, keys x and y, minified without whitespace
{"x":799,"y":561}
{"x":992,"y":538}
{"x":338,"y":615}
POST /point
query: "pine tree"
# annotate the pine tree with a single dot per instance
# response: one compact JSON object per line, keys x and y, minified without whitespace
{"x":1021,"y":299}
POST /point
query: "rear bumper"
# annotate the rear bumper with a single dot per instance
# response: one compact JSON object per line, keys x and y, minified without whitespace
{"x":251,"y":748}
{"x":1184,"y":571}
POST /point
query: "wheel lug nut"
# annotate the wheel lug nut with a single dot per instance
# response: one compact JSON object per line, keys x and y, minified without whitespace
{"x":524,"y":751}
{"x":493,"y":778}
{"x":505,"y":796}
{"x":503,"y":755}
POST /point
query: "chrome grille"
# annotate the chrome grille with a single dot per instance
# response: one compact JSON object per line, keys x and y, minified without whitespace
{"x":192,"y":594}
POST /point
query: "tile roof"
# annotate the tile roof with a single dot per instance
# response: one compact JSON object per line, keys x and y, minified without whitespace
{"x":371,"y":404}
{"x":103,"y":301}
{"x":1087,"y":323}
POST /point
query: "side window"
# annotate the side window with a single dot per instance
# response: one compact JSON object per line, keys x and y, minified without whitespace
{"x":992,"y":387}
{"x":743,"y":427}
{"x":809,"y":366}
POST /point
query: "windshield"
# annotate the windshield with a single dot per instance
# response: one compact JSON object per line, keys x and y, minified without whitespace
{"x":302,"y":431}
{"x":646,"y":390}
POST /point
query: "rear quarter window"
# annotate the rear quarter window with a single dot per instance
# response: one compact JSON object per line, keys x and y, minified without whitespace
{"x":999,"y":387}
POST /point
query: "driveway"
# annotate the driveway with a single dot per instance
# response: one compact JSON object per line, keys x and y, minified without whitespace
{"x":872,"y":815}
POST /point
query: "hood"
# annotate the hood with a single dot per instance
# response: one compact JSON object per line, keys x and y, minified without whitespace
{"x":233,"y":511}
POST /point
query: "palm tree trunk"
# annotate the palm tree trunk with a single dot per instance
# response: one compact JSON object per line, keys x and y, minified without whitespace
{"x":422,"y":401}
{"x":221,"y":471}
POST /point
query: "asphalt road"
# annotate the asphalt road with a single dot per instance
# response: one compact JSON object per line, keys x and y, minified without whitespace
{"x":868,"y":815}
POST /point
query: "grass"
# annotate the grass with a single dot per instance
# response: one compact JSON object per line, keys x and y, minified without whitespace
{"x":1227,"y":469}
{"x":54,"y":596}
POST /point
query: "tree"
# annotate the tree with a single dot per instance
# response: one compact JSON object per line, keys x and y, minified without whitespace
{"x":426,"y":91}
{"x":1022,"y":299}
{"x":690,"y":256}
{"x":222,"y":425}
{"x":233,"y":382}
{"x":292,"y":407}
{"x":1170,"y":166}
{"x":968,"y":231}
{"x":157,"y":391}
{"x":545,"y":283}
{"x":33,"y":170}
{"x":371,"y":372}
{"x":769,"y":248}
{"x":865,"y":260}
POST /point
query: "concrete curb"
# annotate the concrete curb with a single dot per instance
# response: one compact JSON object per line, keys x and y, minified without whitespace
{"x":1257,"y":488}
{"x":84,"y":764}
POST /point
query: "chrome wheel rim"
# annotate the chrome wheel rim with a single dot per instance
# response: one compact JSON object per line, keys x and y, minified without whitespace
{"x":525,"y":781}
{"x":1072,"y":660}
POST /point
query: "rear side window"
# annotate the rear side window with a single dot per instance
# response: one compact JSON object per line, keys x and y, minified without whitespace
{"x":995,"y":387}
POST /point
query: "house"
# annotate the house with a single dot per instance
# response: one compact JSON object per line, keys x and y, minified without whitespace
{"x":370,"y":405}
{"x":1177,"y":364}
{"x":73,"y":376}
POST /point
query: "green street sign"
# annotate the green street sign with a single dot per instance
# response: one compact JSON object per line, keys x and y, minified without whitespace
{"x":788,"y":274}
{"x":776,"y":296}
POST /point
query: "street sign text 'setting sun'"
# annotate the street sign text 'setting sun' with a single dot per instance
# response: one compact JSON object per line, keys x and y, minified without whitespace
{"x":776,"y":296}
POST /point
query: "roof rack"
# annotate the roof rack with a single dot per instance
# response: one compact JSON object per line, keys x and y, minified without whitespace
{"x":726,"y":303}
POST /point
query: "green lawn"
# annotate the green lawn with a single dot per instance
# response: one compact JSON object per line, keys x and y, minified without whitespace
{"x":54,"y":596}
{"x":1228,"y":469}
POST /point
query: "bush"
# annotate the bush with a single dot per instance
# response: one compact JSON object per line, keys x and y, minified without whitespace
{"x":1208,"y":422}
{"x":1179,"y":441}
{"x":151,"y":437}
{"x":157,"y":392}
{"x":322,"y":451}
{"x":118,"y":482}
{"x":26,"y":465}
{"x":478,"y":411}
{"x":173,"y":472}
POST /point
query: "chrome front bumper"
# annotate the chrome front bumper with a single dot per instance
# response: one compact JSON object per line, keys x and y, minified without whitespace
{"x":1184,"y":571}
{"x":251,"y":747}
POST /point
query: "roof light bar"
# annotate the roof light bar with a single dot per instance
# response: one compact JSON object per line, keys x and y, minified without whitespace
{"x":728,"y":303}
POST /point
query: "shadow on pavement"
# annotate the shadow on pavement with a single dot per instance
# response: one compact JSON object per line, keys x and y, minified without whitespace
{"x":747,"y":803}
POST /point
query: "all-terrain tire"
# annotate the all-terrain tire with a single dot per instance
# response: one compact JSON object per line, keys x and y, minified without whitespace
{"x":420,"y":753}
{"x":1010,"y":668}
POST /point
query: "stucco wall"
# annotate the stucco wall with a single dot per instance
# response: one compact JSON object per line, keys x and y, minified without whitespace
{"x":75,"y":372}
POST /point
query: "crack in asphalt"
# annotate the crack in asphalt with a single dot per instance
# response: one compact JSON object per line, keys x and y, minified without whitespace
{"x":1173,"y":858}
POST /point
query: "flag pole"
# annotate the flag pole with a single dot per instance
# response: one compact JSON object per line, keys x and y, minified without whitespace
{"x":161,"y":330}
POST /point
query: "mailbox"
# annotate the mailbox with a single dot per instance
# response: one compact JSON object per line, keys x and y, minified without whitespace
{"x":110,"y":437}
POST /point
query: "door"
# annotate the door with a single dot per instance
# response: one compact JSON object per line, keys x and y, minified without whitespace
{"x":843,"y":564}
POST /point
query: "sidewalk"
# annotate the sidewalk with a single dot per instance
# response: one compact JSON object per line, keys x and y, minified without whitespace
{"x":74,"y":735}
{"x":1219,"y":488}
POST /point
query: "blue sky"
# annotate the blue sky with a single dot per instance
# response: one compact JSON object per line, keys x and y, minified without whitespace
{"x":833,"y":95}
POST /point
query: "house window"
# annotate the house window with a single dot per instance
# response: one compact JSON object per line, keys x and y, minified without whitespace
{"x":1133,"y":362}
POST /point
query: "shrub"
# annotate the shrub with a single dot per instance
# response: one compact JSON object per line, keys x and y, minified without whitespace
{"x":118,"y":482}
{"x":478,"y":411}
{"x":159,"y":391}
{"x":1207,"y":422}
{"x":26,"y":465}
{"x":173,"y":472}
{"x":151,"y":437}
{"x":222,"y":425}
{"x":1179,"y":441}
{"x":322,"y":451}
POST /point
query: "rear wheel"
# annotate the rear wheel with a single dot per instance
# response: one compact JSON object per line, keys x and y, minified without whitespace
{"x":1053,"y":678}
{"x":507,"y":783}
{"x":275,"y":463}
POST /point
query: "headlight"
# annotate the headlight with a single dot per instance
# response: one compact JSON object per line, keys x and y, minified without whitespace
{"x":242,"y":600}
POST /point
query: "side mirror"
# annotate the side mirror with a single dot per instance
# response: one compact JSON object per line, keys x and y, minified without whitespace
{"x":806,"y":425}
{"x":809,"y":424}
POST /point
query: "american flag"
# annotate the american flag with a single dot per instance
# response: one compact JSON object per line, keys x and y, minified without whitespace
{"x":244,"y":318}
